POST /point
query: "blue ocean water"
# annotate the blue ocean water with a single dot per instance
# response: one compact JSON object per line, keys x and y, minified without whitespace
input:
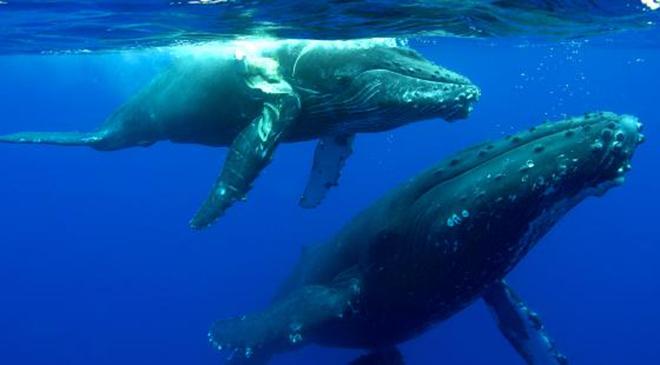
{"x":37,"y":26}
{"x":98,"y":266}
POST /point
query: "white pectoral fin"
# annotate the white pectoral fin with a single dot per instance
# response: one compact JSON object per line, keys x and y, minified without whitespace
{"x":522,"y":326}
{"x":329,"y":158}
{"x":249,"y":153}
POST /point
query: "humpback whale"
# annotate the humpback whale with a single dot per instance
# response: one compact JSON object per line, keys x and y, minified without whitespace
{"x":439,"y":242}
{"x":251,"y":95}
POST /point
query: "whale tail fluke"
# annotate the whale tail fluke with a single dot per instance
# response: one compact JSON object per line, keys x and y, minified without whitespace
{"x":55,"y":138}
{"x":253,"y":339}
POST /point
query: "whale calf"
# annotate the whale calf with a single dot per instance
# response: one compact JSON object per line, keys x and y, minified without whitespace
{"x":252,"y":95}
{"x":439,"y":242}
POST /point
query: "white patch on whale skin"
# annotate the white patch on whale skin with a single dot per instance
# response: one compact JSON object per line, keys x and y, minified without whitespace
{"x":261,"y":46}
{"x":256,"y":56}
{"x":456,"y":218}
{"x":652,"y":4}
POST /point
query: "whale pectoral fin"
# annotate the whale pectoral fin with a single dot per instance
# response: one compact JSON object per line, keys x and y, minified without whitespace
{"x":329,"y":158}
{"x":249,"y":153}
{"x":522,"y":326}
{"x":285,"y":325}
{"x":391,"y":356}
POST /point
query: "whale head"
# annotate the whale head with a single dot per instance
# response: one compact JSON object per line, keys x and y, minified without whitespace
{"x":381,"y":85}
{"x":577,"y":157}
{"x":493,"y":202}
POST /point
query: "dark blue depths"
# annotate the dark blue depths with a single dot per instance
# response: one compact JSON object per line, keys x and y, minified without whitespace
{"x":97,"y":264}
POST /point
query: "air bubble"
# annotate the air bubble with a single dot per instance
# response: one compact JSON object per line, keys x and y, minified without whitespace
{"x":295,"y":338}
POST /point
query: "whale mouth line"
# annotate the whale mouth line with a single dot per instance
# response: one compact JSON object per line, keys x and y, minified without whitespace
{"x":425,"y":78}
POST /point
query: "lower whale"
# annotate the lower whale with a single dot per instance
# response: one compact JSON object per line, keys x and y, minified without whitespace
{"x":439,"y":242}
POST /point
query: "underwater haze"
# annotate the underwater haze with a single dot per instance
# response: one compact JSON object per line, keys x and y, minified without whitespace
{"x":98,"y":265}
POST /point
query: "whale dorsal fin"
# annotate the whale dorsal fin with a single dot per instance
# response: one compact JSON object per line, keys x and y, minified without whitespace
{"x":329,"y":158}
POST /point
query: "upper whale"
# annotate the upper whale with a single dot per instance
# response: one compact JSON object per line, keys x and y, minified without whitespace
{"x":252,"y":95}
